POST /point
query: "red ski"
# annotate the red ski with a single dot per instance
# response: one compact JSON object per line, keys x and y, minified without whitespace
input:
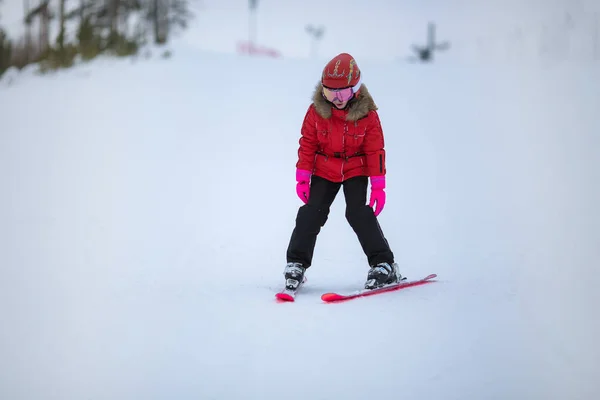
{"x":337,"y":297}
{"x":289,"y":295}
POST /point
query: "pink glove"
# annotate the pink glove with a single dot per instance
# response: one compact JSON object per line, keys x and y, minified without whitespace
{"x":377,"y":193}
{"x":303,"y":185}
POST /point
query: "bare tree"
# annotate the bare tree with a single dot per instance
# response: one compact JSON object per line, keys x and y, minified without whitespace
{"x":165,"y":16}
{"x":158,"y":15}
{"x":179,"y":14}
{"x":28,"y":23}
{"x":104,"y":26}
{"x":113,"y":7}
{"x":81,"y":11}
{"x":5,"y":49}
{"x":62,"y":16}
{"x":43,"y":14}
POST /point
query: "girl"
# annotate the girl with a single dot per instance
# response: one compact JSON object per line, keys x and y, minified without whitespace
{"x":341,"y":145}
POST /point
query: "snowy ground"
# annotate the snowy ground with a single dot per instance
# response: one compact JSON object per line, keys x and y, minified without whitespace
{"x":146,"y":209}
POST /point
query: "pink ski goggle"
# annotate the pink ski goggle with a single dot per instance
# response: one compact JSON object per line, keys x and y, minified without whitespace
{"x":332,"y":95}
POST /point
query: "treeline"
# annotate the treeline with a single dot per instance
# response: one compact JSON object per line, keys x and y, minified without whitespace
{"x":88,"y":28}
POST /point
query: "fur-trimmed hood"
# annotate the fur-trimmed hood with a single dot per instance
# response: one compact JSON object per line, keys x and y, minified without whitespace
{"x":357,"y":108}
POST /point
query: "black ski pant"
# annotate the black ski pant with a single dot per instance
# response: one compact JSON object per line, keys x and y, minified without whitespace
{"x":312,"y":216}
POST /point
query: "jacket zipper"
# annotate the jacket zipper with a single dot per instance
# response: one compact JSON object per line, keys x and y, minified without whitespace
{"x":345,"y":131}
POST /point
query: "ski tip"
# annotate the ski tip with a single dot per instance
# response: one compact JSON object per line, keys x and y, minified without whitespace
{"x":284,"y":297}
{"x":428,"y":277}
{"x":329,"y":297}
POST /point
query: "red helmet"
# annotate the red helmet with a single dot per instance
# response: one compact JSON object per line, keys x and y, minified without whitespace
{"x":341,"y":72}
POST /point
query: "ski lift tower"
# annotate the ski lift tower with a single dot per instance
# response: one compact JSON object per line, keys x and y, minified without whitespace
{"x":425,"y":53}
{"x":252,"y":28}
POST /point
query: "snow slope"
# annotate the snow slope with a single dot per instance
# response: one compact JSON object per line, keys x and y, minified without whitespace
{"x":146,"y":209}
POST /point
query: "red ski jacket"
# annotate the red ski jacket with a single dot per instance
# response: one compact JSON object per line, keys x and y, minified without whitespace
{"x":342,"y":144}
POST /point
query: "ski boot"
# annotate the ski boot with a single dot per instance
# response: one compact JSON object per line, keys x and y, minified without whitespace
{"x":383,"y":274}
{"x":294,"y":275}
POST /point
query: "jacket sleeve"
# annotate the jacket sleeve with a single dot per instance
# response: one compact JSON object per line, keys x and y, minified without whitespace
{"x":374,"y":147}
{"x":308,"y":142}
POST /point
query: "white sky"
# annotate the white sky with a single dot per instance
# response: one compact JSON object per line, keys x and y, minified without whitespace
{"x":381,"y":29}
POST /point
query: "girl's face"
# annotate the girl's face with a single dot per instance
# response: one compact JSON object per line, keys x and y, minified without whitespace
{"x":339,"y":103}
{"x":338,"y":97}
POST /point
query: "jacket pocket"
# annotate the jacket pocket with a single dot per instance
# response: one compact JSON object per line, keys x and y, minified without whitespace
{"x":355,"y":138}
{"x":323,"y":137}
